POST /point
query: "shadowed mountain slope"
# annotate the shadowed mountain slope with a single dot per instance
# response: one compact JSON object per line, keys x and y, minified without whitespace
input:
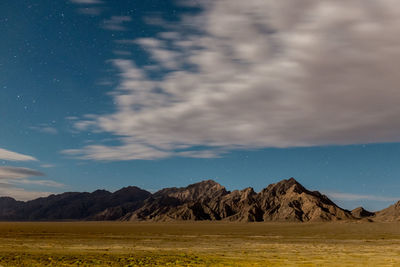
{"x":70,"y":206}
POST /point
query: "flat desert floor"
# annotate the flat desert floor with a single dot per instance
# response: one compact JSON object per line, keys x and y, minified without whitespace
{"x":199,"y":244}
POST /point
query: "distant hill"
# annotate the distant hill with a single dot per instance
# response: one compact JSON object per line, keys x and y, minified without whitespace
{"x":285,"y":201}
{"x":361,"y":213}
{"x":71,"y":206}
{"x":390,"y":214}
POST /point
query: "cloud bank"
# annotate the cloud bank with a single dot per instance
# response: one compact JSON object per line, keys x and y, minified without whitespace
{"x":257,"y":74}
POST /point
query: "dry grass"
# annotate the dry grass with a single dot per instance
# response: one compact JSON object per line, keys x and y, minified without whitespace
{"x":199,"y":244}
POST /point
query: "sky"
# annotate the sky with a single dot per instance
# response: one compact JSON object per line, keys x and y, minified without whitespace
{"x":160,"y":93}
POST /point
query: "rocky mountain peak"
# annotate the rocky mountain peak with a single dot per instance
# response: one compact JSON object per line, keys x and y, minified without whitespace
{"x":208,"y":185}
{"x":128,"y":189}
{"x":291,"y":183}
{"x":283,"y":187}
{"x":194,"y":192}
{"x":248,"y":191}
{"x":288,"y":200}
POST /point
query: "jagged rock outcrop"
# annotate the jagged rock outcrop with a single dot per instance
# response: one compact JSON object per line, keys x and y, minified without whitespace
{"x":241,"y":206}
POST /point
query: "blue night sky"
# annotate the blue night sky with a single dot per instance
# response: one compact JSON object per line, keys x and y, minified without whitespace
{"x":105,"y":94}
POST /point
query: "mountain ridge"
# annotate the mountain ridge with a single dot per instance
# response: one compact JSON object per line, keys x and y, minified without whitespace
{"x":284,"y":201}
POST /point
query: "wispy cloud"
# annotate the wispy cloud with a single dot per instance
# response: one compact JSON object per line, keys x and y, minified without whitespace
{"x":18,"y":172}
{"x":352,"y":197}
{"x":44,"y":128}
{"x":90,"y":7}
{"x":14,"y":179}
{"x":133,"y":151}
{"x":47,"y":165}
{"x":93,"y":11}
{"x":47,"y":183}
{"x":256,"y":74}
{"x":14,"y":156}
{"x":115,"y":23}
{"x":109,"y":153}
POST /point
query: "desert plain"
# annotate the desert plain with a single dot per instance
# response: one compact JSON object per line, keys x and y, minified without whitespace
{"x":199,"y":244}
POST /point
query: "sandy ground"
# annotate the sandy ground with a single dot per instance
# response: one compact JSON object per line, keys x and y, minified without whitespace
{"x":199,"y":244}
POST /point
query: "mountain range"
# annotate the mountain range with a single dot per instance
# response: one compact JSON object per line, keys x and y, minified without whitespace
{"x":285,"y":201}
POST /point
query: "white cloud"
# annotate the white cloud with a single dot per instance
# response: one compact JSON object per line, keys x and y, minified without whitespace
{"x":353,"y":197}
{"x":126,"y":152}
{"x":115,"y":23}
{"x":14,"y":156}
{"x":256,"y":74}
{"x":159,"y":52}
